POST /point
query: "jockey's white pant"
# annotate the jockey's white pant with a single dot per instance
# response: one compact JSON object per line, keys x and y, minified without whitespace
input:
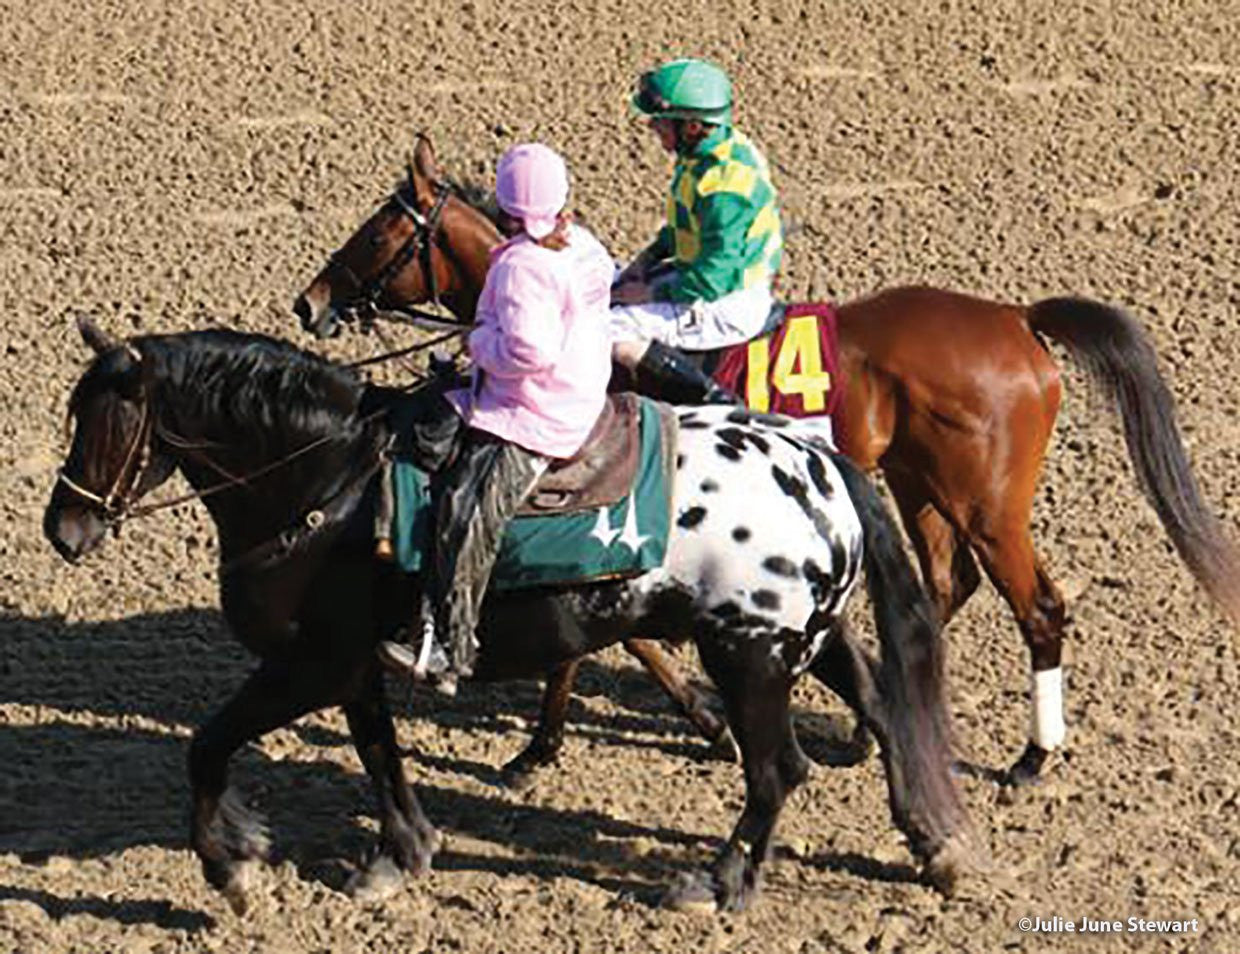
{"x":698,"y":326}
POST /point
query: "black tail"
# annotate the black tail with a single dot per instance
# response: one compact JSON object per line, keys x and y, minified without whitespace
{"x":910,"y":678}
{"x":1116,"y":353}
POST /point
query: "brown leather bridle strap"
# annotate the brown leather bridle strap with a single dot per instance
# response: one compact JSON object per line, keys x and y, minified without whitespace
{"x":420,"y":243}
{"x":115,"y":502}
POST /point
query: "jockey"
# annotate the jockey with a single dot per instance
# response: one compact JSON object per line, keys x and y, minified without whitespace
{"x":705,"y":281}
{"x":542,"y":360}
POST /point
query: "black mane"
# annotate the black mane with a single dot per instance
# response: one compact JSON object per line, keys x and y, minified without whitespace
{"x":217,"y":383}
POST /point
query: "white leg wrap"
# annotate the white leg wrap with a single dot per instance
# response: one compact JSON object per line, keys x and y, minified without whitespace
{"x":1048,"y":726}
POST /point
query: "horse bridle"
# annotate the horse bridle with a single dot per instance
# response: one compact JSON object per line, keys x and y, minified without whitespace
{"x":420,"y":242}
{"x":117,"y":503}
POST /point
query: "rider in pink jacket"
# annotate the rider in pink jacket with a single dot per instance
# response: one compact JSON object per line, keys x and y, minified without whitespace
{"x":542,"y":360}
{"x":542,"y":342}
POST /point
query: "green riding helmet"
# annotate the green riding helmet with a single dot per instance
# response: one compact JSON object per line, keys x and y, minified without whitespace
{"x":685,"y":89}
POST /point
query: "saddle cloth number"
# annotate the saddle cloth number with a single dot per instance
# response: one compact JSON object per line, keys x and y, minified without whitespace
{"x":798,"y":368}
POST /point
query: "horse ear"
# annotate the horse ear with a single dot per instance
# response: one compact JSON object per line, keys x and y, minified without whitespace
{"x":424,"y":170}
{"x":99,"y":340}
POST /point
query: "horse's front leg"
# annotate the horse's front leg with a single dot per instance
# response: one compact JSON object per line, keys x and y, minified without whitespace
{"x":407,"y":840}
{"x":224,"y":834}
{"x":756,"y":688}
{"x":544,"y":748}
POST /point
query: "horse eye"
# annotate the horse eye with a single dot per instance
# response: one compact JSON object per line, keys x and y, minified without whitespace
{"x":377,"y":239}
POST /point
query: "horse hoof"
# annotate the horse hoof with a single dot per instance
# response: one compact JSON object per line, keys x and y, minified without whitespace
{"x":378,"y":881}
{"x":852,"y":751}
{"x":1027,"y":770}
{"x":245,"y":832}
{"x":862,"y":745}
{"x":520,"y":779}
{"x":693,"y":894}
{"x":724,"y":748}
{"x":522,"y":772}
{"x":423,"y":857}
{"x":954,"y":862}
{"x":236,"y":890}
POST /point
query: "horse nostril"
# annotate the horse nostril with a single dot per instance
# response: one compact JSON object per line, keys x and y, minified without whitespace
{"x":301,"y":308}
{"x":66,"y":538}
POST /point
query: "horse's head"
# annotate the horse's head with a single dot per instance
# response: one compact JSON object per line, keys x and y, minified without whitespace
{"x":423,"y":244}
{"x":114,"y":458}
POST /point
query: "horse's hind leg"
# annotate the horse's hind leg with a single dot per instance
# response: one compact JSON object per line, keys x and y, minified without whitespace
{"x":690,"y":702}
{"x":223,"y":833}
{"x":949,"y":574}
{"x":948,"y":570}
{"x":990,"y":507}
{"x":843,"y":667}
{"x":407,"y":840}
{"x":755,"y":689}
{"x":1009,"y":559}
{"x":544,"y":748}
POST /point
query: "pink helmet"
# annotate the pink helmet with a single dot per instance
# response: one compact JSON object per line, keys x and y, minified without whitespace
{"x":531,"y":184}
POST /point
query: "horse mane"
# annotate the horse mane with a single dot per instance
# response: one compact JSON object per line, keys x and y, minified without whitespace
{"x":238,"y":384}
{"x":477,"y":196}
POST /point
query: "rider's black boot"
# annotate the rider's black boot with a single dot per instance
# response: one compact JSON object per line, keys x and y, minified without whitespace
{"x":666,"y":374}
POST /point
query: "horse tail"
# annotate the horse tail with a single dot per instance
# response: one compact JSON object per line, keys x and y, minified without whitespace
{"x":910,"y":678}
{"x":1114,"y":350}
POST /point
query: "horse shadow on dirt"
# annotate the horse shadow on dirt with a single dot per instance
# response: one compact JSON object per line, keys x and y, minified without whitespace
{"x":95,"y":764}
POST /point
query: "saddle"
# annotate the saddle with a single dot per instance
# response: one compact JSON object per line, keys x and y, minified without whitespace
{"x":601,"y":473}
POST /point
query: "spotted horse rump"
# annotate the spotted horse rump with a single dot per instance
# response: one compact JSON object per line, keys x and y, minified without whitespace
{"x":765,"y":540}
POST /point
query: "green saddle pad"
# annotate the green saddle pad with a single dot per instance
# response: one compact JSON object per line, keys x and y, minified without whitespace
{"x":624,"y":539}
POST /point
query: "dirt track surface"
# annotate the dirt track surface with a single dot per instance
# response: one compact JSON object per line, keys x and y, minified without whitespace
{"x":166,"y":171}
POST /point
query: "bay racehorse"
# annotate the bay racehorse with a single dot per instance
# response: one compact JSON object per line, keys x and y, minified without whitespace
{"x":283,"y":447}
{"x":952,"y":397}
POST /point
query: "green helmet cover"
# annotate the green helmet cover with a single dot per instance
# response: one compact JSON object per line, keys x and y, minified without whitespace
{"x":685,"y":89}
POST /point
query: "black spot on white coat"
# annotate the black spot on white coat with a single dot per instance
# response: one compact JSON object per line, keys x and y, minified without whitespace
{"x":818,"y":474}
{"x":691,"y":517}
{"x":760,"y":442}
{"x":781,"y":566}
{"x":732,"y":436}
{"x":766,"y":599}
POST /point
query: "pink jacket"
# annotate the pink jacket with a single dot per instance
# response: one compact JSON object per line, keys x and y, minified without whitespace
{"x":541,"y":342}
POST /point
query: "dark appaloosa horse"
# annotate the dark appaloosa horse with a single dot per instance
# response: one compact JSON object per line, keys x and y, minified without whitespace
{"x":283,"y":448}
{"x":953,"y":397}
